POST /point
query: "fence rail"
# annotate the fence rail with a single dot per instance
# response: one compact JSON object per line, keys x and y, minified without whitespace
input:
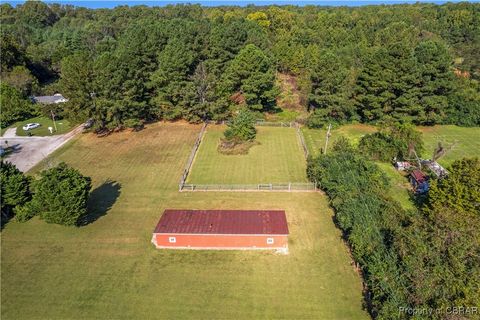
{"x":274,"y":124}
{"x":302,"y":140}
{"x":287,"y":187}
{"x":188,"y":166}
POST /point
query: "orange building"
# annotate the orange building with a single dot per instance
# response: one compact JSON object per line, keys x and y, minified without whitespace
{"x":222,"y":229}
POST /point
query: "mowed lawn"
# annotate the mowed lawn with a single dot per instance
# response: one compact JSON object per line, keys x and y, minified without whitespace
{"x":108,"y":269}
{"x":277,"y":158}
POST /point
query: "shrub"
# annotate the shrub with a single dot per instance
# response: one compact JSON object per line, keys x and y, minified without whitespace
{"x":14,"y":188}
{"x":242,"y":127}
{"x":393,"y":141}
{"x":60,"y":196}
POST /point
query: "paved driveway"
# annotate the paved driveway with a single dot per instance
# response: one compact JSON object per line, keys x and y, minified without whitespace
{"x":28,"y":151}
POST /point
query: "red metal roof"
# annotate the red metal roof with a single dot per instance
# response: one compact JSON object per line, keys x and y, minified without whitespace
{"x":223,"y":222}
{"x":419,"y":176}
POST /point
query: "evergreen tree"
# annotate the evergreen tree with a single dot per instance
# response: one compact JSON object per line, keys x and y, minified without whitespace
{"x":251,"y":75}
{"x":60,"y":196}
{"x":242,"y":127}
{"x":14,"y":106}
{"x":14,"y":188}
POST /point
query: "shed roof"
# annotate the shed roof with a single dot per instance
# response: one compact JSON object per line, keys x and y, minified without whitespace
{"x":419,"y":176}
{"x":223,"y":222}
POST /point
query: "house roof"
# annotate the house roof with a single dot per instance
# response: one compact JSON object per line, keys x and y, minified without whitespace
{"x":223,"y":222}
{"x":56,"y":98}
{"x":419,"y":176}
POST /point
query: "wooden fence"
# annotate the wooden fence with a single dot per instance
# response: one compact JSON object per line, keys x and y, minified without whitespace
{"x":285,"y":187}
{"x":188,"y":166}
{"x":302,"y":140}
{"x":274,"y":124}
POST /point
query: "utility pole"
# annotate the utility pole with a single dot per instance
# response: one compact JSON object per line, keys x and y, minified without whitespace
{"x":53,"y":118}
{"x":328,"y":136}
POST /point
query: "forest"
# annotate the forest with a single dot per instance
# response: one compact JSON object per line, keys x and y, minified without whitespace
{"x":126,"y":66}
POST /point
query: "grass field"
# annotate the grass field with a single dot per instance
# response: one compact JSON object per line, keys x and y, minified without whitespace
{"x":108,"y":269}
{"x":278,"y":158}
{"x":467,"y":144}
{"x":63,"y":126}
{"x":466,"y":140}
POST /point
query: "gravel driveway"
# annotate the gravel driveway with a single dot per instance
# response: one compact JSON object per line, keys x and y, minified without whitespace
{"x":28,"y":151}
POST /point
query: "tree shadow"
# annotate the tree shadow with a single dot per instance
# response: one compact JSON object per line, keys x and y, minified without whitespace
{"x":8,"y":150}
{"x":100,"y":201}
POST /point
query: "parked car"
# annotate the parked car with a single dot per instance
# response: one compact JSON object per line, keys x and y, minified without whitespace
{"x":30,"y":126}
{"x":88,"y":124}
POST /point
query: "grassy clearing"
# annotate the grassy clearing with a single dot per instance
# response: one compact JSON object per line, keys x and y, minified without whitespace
{"x":315,"y":138}
{"x":277,"y":158}
{"x":63,"y":126}
{"x":467,"y":142}
{"x":109,"y":269}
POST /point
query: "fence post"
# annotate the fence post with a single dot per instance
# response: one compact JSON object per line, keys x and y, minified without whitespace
{"x":289,"y":186}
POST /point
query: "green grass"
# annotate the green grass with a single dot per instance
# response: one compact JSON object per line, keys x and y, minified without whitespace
{"x":63,"y":126}
{"x":466,"y":142}
{"x":400,"y":189}
{"x":315,"y":138}
{"x":278,"y":158}
{"x":285,"y":115}
{"x":110,"y":270}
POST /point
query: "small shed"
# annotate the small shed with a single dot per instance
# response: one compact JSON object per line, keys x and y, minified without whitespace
{"x":222,"y":229}
{"x":419,"y":181}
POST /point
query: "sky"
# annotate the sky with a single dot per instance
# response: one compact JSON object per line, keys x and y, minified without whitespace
{"x":213,"y":3}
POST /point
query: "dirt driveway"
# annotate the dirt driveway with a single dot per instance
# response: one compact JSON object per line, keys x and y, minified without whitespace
{"x":28,"y":151}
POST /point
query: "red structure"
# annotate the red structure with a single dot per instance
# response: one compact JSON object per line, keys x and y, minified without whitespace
{"x":222,"y":229}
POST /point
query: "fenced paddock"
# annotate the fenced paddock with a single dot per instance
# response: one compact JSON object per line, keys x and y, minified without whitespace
{"x":279,"y":156}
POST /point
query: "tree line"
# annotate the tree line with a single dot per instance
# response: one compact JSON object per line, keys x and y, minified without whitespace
{"x":124,"y":66}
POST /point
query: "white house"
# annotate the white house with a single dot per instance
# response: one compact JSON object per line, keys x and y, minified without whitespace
{"x":56,"y":98}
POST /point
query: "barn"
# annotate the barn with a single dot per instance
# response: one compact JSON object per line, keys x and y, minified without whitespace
{"x":222,"y":229}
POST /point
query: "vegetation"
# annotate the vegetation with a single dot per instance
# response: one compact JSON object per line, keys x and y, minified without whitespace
{"x":397,"y":141}
{"x":15,"y":107}
{"x":240,"y":134}
{"x":408,"y":258}
{"x":109,"y":268}
{"x":242,"y":127}
{"x":122,"y":67}
{"x":60,"y":196}
{"x":15,"y":189}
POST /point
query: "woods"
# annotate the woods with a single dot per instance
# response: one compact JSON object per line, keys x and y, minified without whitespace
{"x":124,"y":66}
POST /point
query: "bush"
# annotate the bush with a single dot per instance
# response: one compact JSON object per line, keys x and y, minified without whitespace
{"x":14,"y":188}
{"x":242,"y":127}
{"x":60,"y":196}
{"x":395,"y":141}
